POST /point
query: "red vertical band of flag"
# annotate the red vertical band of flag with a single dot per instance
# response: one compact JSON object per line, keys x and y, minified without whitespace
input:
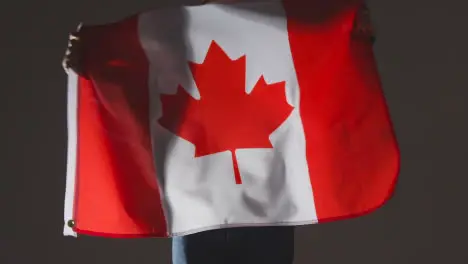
{"x":351,"y":149}
{"x":116,"y":191}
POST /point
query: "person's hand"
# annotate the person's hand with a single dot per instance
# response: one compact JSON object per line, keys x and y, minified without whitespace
{"x":363,"y":24}
{"x":73,"y":55}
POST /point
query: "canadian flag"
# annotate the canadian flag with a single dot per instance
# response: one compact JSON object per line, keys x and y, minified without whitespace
{"x":194,"y":118}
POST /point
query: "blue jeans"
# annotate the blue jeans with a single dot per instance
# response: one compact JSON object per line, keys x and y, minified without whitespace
{"x":246,"y":245}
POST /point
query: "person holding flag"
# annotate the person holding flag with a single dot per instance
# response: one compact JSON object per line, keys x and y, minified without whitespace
{"x":268,"y":241}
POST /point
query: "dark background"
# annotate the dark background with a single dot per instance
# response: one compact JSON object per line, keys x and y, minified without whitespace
{"x":422,"y":54}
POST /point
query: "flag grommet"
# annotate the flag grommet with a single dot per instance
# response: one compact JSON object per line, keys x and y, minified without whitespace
{"x":71,"y":223}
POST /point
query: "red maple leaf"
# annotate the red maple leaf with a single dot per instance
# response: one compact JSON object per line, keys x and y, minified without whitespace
{"x":225,"y":118}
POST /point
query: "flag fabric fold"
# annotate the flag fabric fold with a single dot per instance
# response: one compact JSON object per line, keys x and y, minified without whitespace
{"x":226,"y":115}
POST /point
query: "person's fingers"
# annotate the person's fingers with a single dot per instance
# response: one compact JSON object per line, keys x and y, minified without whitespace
{"x":65,"y":65}
{"x":74,"y":44}
{"x":71,"y":58}
{"x":75,"y":36}
{"x":73,"y":51}
{"x":79,"y":27}
{"x":363,"y":27}
{"x":72,"y":63}
{"x":66,"y":61}
{"x":77,"y":32}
